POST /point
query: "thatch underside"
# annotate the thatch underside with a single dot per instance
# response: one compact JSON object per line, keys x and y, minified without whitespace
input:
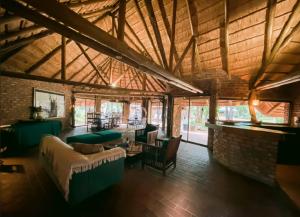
{"x":226,"y":47}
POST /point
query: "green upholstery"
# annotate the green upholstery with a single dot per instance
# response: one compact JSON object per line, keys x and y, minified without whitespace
{"x":86,"y":184}
{"x":149,"y":128}
{"x":94,"y":138}
{"x":27,"y":134}
{"x":141,"y":138}
{"x":109,"y":135}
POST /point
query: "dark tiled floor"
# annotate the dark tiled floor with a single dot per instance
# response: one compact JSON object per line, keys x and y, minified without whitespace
{"x":197,"y":187}
{"x":288,"y":177}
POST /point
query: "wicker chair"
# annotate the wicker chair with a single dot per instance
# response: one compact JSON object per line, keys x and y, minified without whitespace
{"x":147,"y":135}
{"x":162,"y":155}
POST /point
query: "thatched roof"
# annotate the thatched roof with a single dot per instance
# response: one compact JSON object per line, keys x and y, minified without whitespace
{"x":252,"y":40}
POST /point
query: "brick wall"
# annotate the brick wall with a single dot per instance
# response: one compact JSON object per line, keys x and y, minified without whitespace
{"x":16,"y":97}
{"x":248,"y":152}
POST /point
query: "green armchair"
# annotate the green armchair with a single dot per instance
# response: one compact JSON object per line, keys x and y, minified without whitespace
{"x":147,"y":135}
{"x":162,"y":155}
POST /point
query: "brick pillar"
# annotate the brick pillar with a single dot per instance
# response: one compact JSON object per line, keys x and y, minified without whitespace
{"x":212,"y":113}
{"x":126,"y":110}
{"x":170,"y":115}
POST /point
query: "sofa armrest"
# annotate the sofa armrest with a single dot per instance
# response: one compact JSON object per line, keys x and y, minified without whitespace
{"x":107,"y":155}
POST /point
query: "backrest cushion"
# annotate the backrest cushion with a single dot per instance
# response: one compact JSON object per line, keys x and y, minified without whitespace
{"x":149,"y":128}
{"x":87,"y":148}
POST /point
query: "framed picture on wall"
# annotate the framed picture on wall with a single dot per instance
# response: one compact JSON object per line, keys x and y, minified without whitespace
{"x":52,"y":103}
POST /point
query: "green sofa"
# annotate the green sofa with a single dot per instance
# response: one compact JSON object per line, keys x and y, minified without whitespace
{"x":89,"y":174}
{"x":96,"y":137}
{"x":29,"y":133}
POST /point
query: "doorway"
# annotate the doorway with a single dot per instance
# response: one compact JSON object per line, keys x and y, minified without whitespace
{"x":190,"y":117}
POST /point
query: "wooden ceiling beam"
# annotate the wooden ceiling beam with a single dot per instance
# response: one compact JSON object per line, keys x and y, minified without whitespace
{"x":192,"y":11}
{"x":27,"y":30}
{"x":224,"y":40}
{"x":154,"y":25}
{"x":138,"y":39}
{"x":13,"y":18}
{"x":83,"y":67}
{"x":151,"y":84}
{"x":172,"y":35}
{"x":47,"y":57}
{"x":63,"y":58}
{"x":121,"y":20}
{"x":91,"y":36}
{"x":22,"y":42}
{"x":170,"y":32}
{"x":271,"y":53}
{"x":59,"y":81}
{"x":191,"y":41}
{"x":141,"y":16}
{"x":291,"y":78}
{"x":92,"y":63}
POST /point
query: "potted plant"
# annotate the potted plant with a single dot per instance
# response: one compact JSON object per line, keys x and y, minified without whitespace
{"x":36,"y":112}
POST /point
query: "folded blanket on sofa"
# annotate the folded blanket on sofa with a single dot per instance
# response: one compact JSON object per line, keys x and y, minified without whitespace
{"x":64,"y":161}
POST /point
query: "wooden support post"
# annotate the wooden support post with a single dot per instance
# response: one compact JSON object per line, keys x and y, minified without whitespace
{"x":63,"y":58}
{"x":163,"y":114}
{"x":252,"y":97}
{"x":121,"y":19}
{"x":212,"y":113}
{"x":145,"y":109}
{"x":73,"y":101}
{"x":170,"y":115}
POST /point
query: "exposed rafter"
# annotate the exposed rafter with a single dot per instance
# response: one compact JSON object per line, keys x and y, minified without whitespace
{"x":92,"y":63}
{"x":63,"y":58}
{"x":141,"y":16}
{"x":280,"y":41}
{"x":291,"y":78}
{"x":192,"y":11}
{"x":10,"y":46}
{"x":121,"y":19}
{"x":153,"y":21}
{"x":191,"y":41}
{"x":225,"y":38}
{"x":91,"y":36}
{"x":45,"y":59}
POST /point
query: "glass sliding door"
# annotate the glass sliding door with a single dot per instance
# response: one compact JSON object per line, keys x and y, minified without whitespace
{"x":83,"y":106}
{"x":190,"y":115}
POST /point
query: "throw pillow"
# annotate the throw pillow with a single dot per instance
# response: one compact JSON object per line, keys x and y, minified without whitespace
{"x":87,"y":148}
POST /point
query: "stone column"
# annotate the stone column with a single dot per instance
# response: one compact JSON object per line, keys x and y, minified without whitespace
{"x":212,"y":113}
{"x":170,"y":115}
{"x":163,"y":114}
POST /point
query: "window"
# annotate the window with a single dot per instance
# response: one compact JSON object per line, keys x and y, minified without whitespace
{"x":156,"y":113}
{"x":273,"y":112}
{"x":135,"y":111}
{"x":233,"y":110}
{"x":109,"y":109}
{"x":83,"y":106}
{"x":266,"y":111}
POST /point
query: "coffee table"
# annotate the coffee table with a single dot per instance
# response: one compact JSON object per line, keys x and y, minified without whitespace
{"x":134,"y":152}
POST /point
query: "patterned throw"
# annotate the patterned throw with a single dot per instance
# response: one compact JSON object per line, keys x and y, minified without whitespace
{"x":64,"y":161}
